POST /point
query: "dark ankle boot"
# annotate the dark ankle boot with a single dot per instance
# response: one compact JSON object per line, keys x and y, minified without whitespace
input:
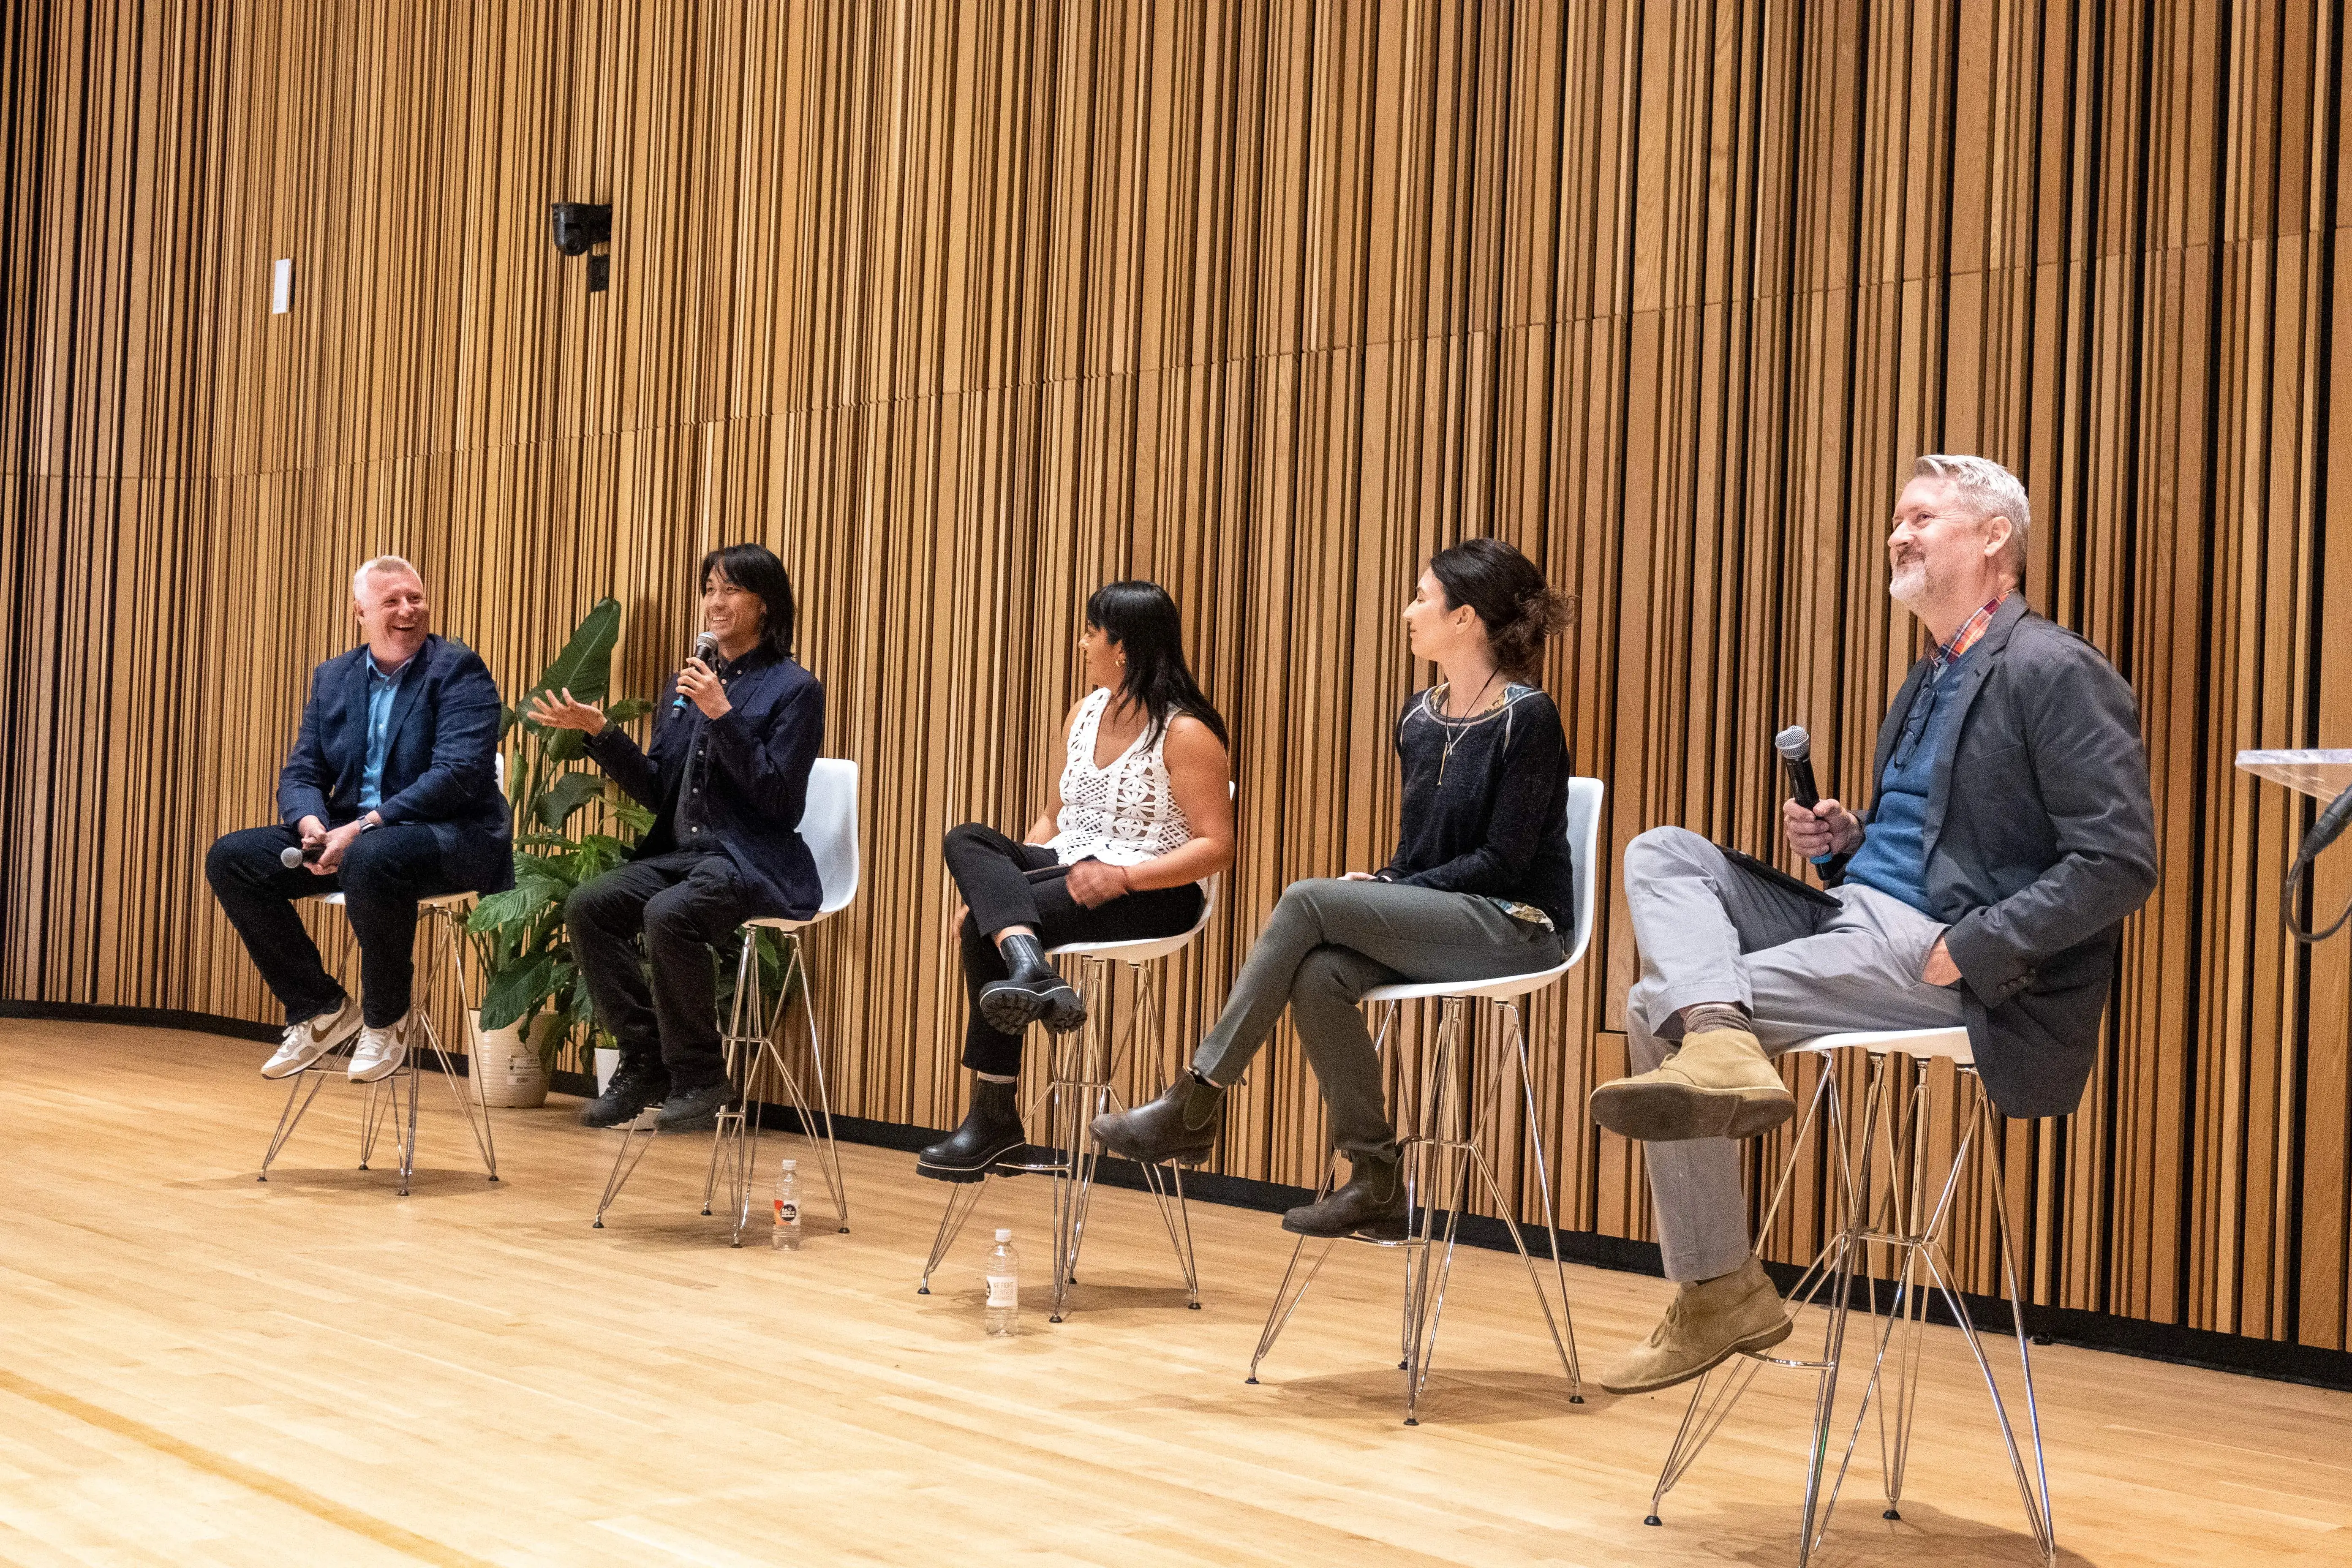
{"x":1178,"y":1127}
{"x":640,"y":1082}
{"x":1033,"y":991}
{"x":1372,"y":1203}
{"x":991,"y":1129}
{"x":695,"y":1108}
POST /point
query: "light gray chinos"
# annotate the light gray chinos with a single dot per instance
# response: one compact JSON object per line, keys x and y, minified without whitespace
{"x":1711,"y":929}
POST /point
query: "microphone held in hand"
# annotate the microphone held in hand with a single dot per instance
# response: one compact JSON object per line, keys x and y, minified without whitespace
{"x":1795,"y":749}
{"x":706,"y":648}
{"x":295,"y":854}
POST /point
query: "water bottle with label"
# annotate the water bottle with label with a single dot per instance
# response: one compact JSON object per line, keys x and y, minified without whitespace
{"x":1004,"y":1287}
{"x":786,"y":1236}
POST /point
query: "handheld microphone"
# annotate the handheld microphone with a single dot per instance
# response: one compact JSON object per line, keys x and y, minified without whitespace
{"x":1795,"y":749}
{"x":706,"y":648}
{"x":295,"y":854}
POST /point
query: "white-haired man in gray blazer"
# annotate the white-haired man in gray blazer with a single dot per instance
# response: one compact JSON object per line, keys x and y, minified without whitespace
{"x":2008,"y":836}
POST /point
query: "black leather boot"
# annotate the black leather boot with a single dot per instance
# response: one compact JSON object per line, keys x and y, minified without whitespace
{"x":695,"y":1108}
{"x":991,"y":1129}
{"x":1034,"y":991}
{"x":1178,"y":1127}
{"x":1372,"y":1203}
{"x":640,"y":1080}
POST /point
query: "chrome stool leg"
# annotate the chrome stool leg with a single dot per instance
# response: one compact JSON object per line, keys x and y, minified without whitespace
{"x":1911,"y":1223}
{"x":1080,"y":1085}
{"x":1277,"y":1316}
{"x":636,"y":1136}
{"x":816,"y":1128}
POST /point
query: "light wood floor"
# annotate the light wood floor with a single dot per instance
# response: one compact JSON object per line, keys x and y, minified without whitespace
{"x":194,"y":1367}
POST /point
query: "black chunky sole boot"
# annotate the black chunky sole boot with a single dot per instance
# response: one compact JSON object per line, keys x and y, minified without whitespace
{"x":1033,"y":992}
{"x":991,"y":1129}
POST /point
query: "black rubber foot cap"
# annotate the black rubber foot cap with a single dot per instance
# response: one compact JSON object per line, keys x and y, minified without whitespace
{"x":261,"y":1178}
{"x":494,"y":1178}
{"x":705,"y":1214}
{"x":1054,"y":1318}
{"x":1412,"y":1420}
{"x":598,"y":1225}
{"x":1404,"y":1366}
{"x":1191,"y":1306}
{"x":362,"y":1165}
{"x":841,"y":1231}
{"x":1576,"y":1399}
{"x":1891,"y":1513}
{"x":922,"y":1290}
{"x":1251,"y":1381}
{"x":1654,"y":1518}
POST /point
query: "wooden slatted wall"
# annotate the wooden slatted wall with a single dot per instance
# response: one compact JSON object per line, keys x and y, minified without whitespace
{"x":965,"y":308}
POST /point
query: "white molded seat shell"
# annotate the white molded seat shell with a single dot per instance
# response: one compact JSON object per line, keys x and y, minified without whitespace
{"x":1584,"y":799}
{"x":828,"y":827}
{"x":1143,"y":950}
{"x":1922,"y":1044}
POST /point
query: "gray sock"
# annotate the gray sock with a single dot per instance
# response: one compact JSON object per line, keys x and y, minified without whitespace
{"x":1713,"y":1016}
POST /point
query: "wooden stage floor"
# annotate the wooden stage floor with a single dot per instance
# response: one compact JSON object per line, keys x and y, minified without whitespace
{"x":198,"y":1368}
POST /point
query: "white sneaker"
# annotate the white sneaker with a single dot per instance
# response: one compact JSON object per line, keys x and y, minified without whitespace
{"x":380,"y":1051}
{"x":312,"y":1039}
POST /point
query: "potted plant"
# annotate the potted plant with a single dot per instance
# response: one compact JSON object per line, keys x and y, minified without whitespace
{"x":571,"y":825}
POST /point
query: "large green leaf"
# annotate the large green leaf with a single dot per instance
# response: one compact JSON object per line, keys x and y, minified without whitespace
{"x":626,"y":709}
{"x":567,"y":795}
{"x":584,"y":668}
{"x":513,"y":992}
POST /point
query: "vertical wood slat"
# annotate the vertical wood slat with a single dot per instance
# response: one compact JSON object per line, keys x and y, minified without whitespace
{"x":965,"y":308}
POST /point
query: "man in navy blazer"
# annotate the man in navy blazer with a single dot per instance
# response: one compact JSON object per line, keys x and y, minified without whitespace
{"x":391,"y":793}
{"x":727,"y":773}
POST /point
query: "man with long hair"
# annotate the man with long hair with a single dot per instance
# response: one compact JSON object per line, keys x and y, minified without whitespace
{"x":727,"y":773}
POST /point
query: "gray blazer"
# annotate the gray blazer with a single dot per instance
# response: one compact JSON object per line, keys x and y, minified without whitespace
{"x":2037,"y":858}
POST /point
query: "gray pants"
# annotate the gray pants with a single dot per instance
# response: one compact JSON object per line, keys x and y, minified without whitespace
{"x":1712,"y":931}
{"x":1328,"y":941}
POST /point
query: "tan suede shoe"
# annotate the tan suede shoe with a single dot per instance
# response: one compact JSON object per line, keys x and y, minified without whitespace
{"x":1720,"y":1084}
{"x":1708,"y":1323}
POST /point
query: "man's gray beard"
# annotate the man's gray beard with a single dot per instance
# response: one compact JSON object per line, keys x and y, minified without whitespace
{"x":1908,"y":584}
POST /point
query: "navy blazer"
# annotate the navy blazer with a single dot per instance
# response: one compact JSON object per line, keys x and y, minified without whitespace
{"x":438,"y":767}
{"x":754,"y":765}
{"x":2040,"y":840}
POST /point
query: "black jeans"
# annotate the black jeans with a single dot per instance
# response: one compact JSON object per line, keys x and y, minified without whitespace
{"x":383,"y":872}
{"x":685,"y":903}
{"x":1008,"y":883}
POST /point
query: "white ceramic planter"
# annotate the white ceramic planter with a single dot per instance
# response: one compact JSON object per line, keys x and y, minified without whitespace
{"x":506,"y":1072}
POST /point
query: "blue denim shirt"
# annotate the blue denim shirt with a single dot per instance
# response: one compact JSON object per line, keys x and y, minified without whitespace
{"x":1894,"y":854}
{"x":381,"y":689}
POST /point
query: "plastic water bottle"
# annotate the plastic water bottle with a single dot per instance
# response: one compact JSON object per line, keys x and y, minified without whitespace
{"x":786,"y":1236}
{"x":1004,"y":1287}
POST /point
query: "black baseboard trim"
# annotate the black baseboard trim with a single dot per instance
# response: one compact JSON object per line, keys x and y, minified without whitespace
{"x":2048,"y":1325}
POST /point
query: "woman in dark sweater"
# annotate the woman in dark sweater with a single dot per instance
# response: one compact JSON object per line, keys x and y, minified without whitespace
{"x":1480,"y":887}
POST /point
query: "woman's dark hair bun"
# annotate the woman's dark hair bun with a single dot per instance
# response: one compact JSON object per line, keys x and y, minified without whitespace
{"x":1518,"y":607}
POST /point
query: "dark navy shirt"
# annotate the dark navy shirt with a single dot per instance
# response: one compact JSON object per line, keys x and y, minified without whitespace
{"x":1894,"y":854}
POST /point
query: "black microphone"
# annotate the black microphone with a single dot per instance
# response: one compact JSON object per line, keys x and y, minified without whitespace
{"x":295,"y":854}
{"x":706,"y":648}
{"x":1795,"y":749}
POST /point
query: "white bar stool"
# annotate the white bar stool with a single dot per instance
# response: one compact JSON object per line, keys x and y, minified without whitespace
{"x":444,"y":918}
{"x":1911,"y":1216}
{"x":1448,"y":1127}
{"x":1079,"y":1088}
{"x":829,"y":826}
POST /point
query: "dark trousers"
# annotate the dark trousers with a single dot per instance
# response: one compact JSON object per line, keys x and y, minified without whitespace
{"x":383,"y":872}
{"x":684,"y":904}
{"x":1008,"y":883}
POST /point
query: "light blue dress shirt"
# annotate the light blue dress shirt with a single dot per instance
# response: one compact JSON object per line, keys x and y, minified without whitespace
{"x":381,"y":689}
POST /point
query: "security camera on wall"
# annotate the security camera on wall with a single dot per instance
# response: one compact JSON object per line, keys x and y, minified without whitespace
{"x":579,"y":225}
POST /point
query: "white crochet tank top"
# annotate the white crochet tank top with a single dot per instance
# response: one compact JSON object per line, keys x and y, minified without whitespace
{"x":1121,"y":815}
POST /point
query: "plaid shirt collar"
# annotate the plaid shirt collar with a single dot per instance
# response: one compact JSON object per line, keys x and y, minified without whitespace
{"x":1966,"y":637}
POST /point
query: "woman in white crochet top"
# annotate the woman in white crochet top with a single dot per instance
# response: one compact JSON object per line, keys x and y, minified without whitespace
{"x":1145,"y":815}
